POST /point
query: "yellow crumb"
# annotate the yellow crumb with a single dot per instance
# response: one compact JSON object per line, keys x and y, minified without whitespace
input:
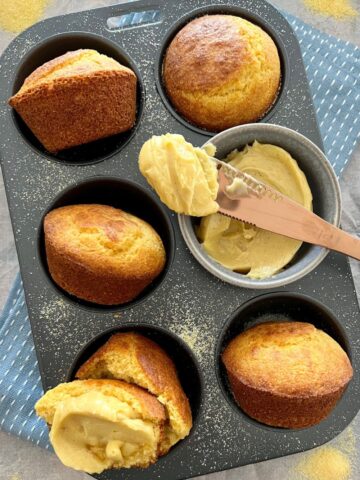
{"x":325,"y":463}
{"x":15,"y":476}
{"x":16,"y":15}
{"x":189,"y":336}
{"x":334,"y":8}
{"x":346,"y":442}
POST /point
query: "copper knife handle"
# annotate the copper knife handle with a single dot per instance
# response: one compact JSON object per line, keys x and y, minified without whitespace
{"x":336,"y":239}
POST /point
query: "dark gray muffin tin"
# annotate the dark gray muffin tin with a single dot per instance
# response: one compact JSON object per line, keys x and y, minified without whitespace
{"x":188,"y":311}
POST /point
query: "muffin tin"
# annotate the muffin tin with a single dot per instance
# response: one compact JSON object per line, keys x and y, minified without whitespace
{"x":187,"y":310}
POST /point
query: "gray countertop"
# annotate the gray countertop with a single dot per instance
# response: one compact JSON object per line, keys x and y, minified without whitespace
{"x":20,"y":460}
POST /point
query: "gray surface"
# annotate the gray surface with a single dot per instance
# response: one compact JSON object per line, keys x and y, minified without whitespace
{"x":19,"y":459}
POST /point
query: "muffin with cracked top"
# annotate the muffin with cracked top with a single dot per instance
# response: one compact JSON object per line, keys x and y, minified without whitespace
{"x":101,"y":254}
{"x":220,"y":71}
{"x":286,"y":374}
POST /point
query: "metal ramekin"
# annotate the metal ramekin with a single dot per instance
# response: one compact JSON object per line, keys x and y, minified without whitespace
{"x":326,"y":200}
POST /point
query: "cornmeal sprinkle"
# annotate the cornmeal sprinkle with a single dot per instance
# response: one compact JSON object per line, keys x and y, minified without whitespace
{"x":339,"y":9}
{"x":17,"y":15}
{"x":346,"y":442}
{"x":326,"y":463}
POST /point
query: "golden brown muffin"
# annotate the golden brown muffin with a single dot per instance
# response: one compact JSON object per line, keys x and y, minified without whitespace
{"x":136,"y":359}
{"x":77,"y":98}
{"x":220,"y":71}
{"x":287,"y":374}
{"x":100,"y":424}
{"x":101,"y":254}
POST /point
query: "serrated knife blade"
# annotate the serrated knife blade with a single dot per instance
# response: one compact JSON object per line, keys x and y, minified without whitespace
{"x":263,"y":206}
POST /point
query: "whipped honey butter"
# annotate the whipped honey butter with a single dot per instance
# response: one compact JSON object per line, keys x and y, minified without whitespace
{"x":246,"y":248}
{"x":94,"y":432}
{"x":183,"y":176}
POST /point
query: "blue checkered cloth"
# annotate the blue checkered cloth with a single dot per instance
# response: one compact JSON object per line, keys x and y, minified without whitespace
{"x":333,"y":69}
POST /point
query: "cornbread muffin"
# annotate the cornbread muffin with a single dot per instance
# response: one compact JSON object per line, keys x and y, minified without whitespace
{"x":100,"y":424}
{"x":286,"y":374}
{"x":101,"y":254}
{"x":220,"y":71}
{"x":76,"y":98}
{"x":183,"y":176}
{"x":136,"y":359}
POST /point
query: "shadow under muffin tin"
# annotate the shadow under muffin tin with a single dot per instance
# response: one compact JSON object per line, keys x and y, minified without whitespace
{"x":188,"y":304}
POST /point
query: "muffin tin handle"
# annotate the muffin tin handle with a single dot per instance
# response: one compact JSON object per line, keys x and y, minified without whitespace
{"x":134,"y":19}
{"x":139,"y":13}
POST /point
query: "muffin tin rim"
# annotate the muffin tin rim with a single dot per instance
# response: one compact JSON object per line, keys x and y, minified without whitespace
{"x":140,"y":97}
{"x":235,"y":10}
{"x":219,"y":348}
{"x":239,"y":280}
{"x":95,"y":307}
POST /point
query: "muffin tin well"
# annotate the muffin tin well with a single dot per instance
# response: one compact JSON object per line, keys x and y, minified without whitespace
{"x":284,"y":306}
{"x":187,"y":301}
{"x":238,"y":11}
{"x":127,"y":196}
{"x":53,"y":47}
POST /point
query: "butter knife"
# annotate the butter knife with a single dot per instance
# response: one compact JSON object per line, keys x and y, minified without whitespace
{"x":254,"y":202}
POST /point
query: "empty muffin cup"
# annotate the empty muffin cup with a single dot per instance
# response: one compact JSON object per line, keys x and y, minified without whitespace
{"x":132,"y":199}
{"x":323,"y":184}
{"x":53,"y":47}
{"x":281,"y":307}
{"x":234,"y":11}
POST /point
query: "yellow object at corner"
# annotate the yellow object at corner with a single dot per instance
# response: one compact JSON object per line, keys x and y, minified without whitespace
{"x":245,"y":248}
{"x":182,"y":175}
{"x":94,"y":432}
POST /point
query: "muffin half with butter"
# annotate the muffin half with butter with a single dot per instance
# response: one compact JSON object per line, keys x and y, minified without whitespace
{"x":101,"y":424}
{"x":220,"y":71}
{"x":127,"y":409}
{"x":133,"y":358}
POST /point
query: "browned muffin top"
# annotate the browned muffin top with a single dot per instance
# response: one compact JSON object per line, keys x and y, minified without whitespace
{"x":288,"y":358}
{"x":205,"y":53}
{"x":72,"y":64}
{"x":102,"y":237}
{"x":221,"y":70}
